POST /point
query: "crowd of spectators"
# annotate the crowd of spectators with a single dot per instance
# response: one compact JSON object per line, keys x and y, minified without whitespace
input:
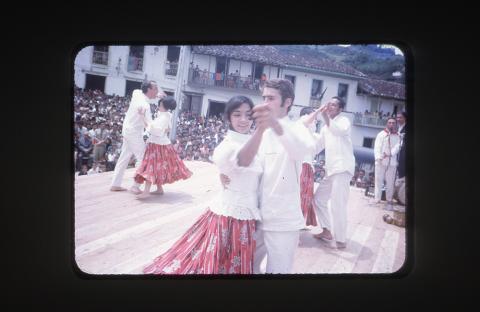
{"x":197,"y":136}
{"x":231,"y":80}
{"x":98,"y":120}
{"x":374,"y":115}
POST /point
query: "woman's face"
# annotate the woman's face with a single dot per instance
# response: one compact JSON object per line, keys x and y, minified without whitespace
{"x":240,"y":119}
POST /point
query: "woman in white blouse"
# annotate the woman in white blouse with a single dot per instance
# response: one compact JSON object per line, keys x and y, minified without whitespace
{"x":221,"y":240}
{"x":161,"y":163}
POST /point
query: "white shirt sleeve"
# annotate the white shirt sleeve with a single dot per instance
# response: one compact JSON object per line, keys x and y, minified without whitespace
{"x":296,"y":139}
{"x":319,"y":141}
{"x":340,"y":126}
{"x":139,"y":101}
{"x":225,"y":157}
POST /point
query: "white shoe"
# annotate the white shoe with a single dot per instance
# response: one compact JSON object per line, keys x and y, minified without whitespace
{"x":135,"y":190}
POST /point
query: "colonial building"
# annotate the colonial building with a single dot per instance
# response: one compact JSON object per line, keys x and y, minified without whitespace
{"x":213,"y":74}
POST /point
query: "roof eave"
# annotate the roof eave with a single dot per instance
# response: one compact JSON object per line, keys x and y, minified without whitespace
{"x":321,"y":71}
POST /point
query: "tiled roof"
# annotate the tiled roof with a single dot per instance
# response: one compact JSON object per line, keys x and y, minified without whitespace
{"x":253,"y":53}
{"x":382,"y":88}
{"x":271,"y":55}
{"x":312,"y":59}
{"x":308,"y":59}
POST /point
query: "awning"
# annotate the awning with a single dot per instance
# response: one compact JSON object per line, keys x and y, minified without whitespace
{"x":363,"y":154}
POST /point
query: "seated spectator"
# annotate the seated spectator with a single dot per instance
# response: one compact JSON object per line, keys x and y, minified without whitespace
{"x":99,"y":144}
{"x":83,"y":170}
{"x":95,"y":169}
{"x":320,"y":175}
{"x":111,"y":160}
{"x":85,"y":149}
{"x":361,"y":180}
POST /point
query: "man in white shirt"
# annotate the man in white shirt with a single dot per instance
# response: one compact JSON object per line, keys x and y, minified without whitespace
{"x":282,"y":150}
{"x":132,"y":132}
{"x":335,"y":138}
{"x":385,"y":151}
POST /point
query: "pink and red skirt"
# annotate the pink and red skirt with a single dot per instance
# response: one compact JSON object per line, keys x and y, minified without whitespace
{"x":161,"y":165}
{"x":306,"y":194}
{"x":215,"y":244}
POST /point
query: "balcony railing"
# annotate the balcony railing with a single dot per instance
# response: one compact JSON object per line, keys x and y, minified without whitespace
{"x":371,"y":121}
{"x":221,"y":80}
{"x":135,"y":63}
{"x":100,"y":57}
{"x":171,"y":68}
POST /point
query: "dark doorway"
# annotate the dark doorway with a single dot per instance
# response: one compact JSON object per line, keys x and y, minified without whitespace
{"x":216,"y":109}
{"x":130,"y":86}
{"x":94,"y":82}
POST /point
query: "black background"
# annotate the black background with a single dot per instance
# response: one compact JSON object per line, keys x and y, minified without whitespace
{"x":39,"y":47}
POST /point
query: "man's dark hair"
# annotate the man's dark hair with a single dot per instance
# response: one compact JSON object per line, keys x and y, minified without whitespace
{"x":168,"y":103}
{"x":285,"y":87}
{"x":341,"y":102}
{"x":404,"y":114}
{"x":147,"y":85}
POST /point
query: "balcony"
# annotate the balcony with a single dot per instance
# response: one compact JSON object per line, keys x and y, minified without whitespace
{"x":171,"y":68}
{"x":204,"y":78}
{"x":135,"y":63}
{"x":360,"y":119}
{"x":100,"y":58}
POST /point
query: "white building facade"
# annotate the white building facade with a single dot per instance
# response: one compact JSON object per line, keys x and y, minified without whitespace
{"x":213,"y":74}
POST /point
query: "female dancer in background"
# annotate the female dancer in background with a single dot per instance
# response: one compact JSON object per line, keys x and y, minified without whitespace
{"x":161,"y":163}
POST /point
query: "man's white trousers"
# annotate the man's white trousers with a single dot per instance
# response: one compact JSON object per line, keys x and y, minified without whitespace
{"x":386,"y":173}
{"x":279,"y":248}
{"x":335,"y":188}
{"x":132,"y":145}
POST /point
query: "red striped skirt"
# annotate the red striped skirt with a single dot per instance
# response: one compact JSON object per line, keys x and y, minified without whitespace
{"x":161,"y":165}
{"x":306,"y":194}
{"x":215,"y":244}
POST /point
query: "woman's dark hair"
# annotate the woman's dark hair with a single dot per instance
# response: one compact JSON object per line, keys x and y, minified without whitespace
{"x":168,"y":103}
{"x":235,"y":103}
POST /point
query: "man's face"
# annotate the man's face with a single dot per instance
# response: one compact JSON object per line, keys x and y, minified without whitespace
{"x":153,"y":91}
{"x":391,"y":124}
{"x":333,"y":108}
{"x":273,"y":98}
{"x":400,"y":119}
